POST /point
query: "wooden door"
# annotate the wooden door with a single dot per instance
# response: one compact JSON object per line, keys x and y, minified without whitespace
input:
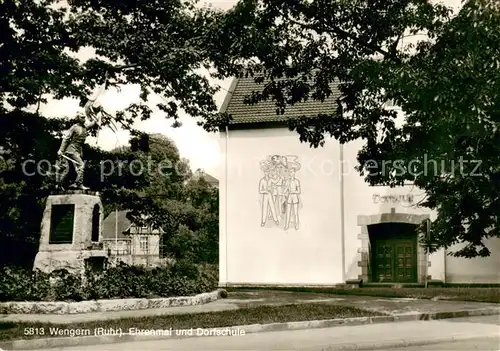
{"x":395,"y":261}
{"x":405,"y":265}
{"x":383,"y":261}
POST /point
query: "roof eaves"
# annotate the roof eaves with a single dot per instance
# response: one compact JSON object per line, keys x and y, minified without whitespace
{"x":229,"y":95}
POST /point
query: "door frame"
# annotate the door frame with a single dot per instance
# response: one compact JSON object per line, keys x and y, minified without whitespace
{"x":364,"y":251}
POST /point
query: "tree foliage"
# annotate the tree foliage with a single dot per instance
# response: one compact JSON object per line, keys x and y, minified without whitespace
{"x":446,"y":84}
{"x":158,"y":45}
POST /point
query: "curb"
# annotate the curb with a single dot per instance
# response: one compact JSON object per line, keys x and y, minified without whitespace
{"x":60,"y":307}
{"x":47,"y":343}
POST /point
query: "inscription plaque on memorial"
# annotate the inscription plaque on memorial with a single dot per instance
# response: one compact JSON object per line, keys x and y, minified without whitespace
{"x":61,"y":224}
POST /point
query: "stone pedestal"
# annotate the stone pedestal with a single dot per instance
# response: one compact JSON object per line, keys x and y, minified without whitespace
{"x":70,"y":235}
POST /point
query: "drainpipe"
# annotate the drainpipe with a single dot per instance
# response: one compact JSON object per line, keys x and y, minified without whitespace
{"x":225,"y":200}
{"x":116,"y":231}
{"x":342,"y":220}
{"x":444,"y":265}
{"x":342,"y":213}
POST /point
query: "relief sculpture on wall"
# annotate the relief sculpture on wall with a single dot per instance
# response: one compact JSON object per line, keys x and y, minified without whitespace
{"x":280,"y":191}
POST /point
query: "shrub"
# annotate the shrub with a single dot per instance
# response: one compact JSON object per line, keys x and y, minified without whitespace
{"x":40,"y":285}
{"x":185,"y":268}
{"x":20,"y":284}
{"x":122,"y":281}
{"x":66,"y":286}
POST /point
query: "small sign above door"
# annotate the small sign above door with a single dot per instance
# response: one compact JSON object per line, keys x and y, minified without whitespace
{"x":394,"y":199}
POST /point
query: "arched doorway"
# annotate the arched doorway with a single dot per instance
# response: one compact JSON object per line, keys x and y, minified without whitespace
{"x":394,"y":252}
{"x":389,"y":251}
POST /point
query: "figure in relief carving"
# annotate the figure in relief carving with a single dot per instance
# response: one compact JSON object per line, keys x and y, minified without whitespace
{"x":280,"y":191}
{"x":266,"y":190}
{"x":293,"y":199}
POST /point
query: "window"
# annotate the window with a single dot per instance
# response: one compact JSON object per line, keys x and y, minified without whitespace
{"x":144,"y":244}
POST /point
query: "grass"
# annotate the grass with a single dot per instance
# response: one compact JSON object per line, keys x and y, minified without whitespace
{"x":244,"y":316}
{"x":453,"y":293}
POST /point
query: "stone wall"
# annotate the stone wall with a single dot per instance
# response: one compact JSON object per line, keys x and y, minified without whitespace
{"x":60,"y":307}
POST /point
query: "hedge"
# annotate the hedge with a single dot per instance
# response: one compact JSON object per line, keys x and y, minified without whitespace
{"x":123,"y":281}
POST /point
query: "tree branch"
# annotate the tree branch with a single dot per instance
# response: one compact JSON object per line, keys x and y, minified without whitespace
{"x":393,"y":49}
{"x":119,"y":68}
{"x":349,"y":36}
{"x":38,"y":103}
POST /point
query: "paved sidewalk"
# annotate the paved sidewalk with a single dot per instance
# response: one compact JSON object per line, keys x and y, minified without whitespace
{"x":258,"y":298}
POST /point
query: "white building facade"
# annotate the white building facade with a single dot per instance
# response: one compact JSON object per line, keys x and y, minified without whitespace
{"x":292,"y":215}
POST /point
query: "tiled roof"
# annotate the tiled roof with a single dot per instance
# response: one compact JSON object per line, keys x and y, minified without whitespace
{"x":109,"y":225}
{"x":125,"y":227}
{"x":208,"y":178}
{"x":265,"y":111}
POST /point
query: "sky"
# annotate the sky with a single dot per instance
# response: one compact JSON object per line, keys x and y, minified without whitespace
{"x":198,"y":146}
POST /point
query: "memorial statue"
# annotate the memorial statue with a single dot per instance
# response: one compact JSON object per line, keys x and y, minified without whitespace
{"x":70,"y":151}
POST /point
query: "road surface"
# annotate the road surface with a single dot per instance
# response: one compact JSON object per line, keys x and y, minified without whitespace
{"x":476,"y":333}
{"x":482,"y":344}
{"x":490,"y":344}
